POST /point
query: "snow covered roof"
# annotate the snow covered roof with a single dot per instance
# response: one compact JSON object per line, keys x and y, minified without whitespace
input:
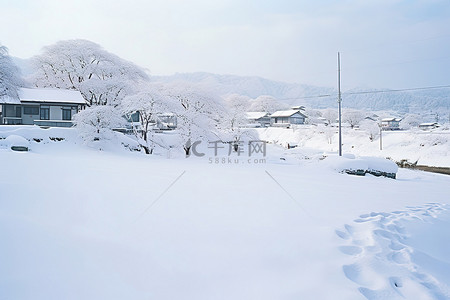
{"x":427,"y":124}
{"x":50,"y":95}
{"x":9,"y":100}
{"x":391,"y":120}
{"x":286,"y":113}
{"x":254,"y":115}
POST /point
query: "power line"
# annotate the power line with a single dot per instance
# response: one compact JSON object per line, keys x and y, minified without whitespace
{"x":399,"y":90}
{"x":369,"y":92}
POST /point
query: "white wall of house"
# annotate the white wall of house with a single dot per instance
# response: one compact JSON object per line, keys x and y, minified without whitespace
{"x":55,"y":113}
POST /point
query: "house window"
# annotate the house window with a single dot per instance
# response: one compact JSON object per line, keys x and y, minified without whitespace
{"x":18,"y":111}
{"x":134,"y":117}
{"x":31,"y":110}
{"x":66,"y":114}
{"x":45,"y":113}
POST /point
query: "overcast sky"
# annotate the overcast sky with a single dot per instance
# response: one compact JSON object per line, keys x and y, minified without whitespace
{"x":384,"y":43}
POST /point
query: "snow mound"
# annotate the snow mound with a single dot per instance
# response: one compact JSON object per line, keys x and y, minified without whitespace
{"x":16,"y":142}
{"x":362,"y":165}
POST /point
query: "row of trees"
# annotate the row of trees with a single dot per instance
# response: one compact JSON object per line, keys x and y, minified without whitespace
{"x":114,"y":87}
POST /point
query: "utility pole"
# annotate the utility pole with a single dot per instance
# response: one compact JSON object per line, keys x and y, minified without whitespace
{"x":339,"y":102}
{"x":381,"y":136}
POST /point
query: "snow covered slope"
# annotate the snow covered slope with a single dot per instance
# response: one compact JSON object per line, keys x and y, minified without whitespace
{"x":78,"y":223}
{"x":424,"y":147}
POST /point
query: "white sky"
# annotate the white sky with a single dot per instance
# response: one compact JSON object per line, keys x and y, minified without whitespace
{"x":384,"y":43}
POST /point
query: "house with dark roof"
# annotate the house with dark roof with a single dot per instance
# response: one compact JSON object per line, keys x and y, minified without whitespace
{"x":42,"y":107}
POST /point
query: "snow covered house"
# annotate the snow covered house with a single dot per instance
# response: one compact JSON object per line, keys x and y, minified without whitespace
{"x":43,"y":107}
{"x":286,"y":118}
{"x":390,"y":124}
{"x":428,"y":126}
{"x":372,"y":117}
{"x":258,"y":119}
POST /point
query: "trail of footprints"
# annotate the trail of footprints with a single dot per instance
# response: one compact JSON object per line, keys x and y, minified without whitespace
{"x":375,"y":246}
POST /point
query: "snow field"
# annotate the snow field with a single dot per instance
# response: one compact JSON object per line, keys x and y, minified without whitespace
{"x":78,"y":223}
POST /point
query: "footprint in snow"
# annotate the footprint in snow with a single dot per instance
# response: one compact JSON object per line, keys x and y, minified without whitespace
{"x":375,"y":243}
{"x":350,"y":250}
{"x":342,"y":235}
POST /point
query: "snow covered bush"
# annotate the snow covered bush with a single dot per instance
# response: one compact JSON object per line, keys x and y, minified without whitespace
{"x":100,"y":76}
{"x":97,"y":123}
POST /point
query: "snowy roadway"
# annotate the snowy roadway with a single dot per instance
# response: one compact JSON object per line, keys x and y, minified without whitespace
{"x":81,"y":224}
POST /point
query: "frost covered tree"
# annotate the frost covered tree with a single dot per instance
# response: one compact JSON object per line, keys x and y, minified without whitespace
{"x":313,"y":116}
{"x":234,"y":119}
{"x":96,"y":123}
{"x":330,"y":114}
{"x":411,"y":120}
{"x":329,"y":134}
{"x":101,"y":77}
{"x":198,"y":113}
{"x":266,"y":104}
{"x":371,"y":127}
{"x":149,"y":103}
{"x":10,"y":79}
{"x":353,"y":117}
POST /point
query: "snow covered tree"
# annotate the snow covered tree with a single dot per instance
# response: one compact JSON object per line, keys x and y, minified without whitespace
{"x":330,"y":114}
{"x":371,"y":127}
{"x":329,"y":133}
{"x":353,"y":117}
{"x":101,"y":77}
{"x":10,"y":79}
{"x":234,"y":119}
{"x":148,"y":103}
{"x":198,"y":113}
{"x":266,"y":104}
{"x":411,"y":120}
{"x":96,"y":123}
{"x":313,"y":116}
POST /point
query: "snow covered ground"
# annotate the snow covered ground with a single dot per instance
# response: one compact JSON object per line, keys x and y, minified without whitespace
{"x":78,"y":223}
{"x":430,"y":148}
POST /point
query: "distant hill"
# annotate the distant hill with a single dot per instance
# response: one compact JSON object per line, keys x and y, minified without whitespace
{"x":425,"y":101}
{"x":23,"y":64}
{"x":301,"y":94}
